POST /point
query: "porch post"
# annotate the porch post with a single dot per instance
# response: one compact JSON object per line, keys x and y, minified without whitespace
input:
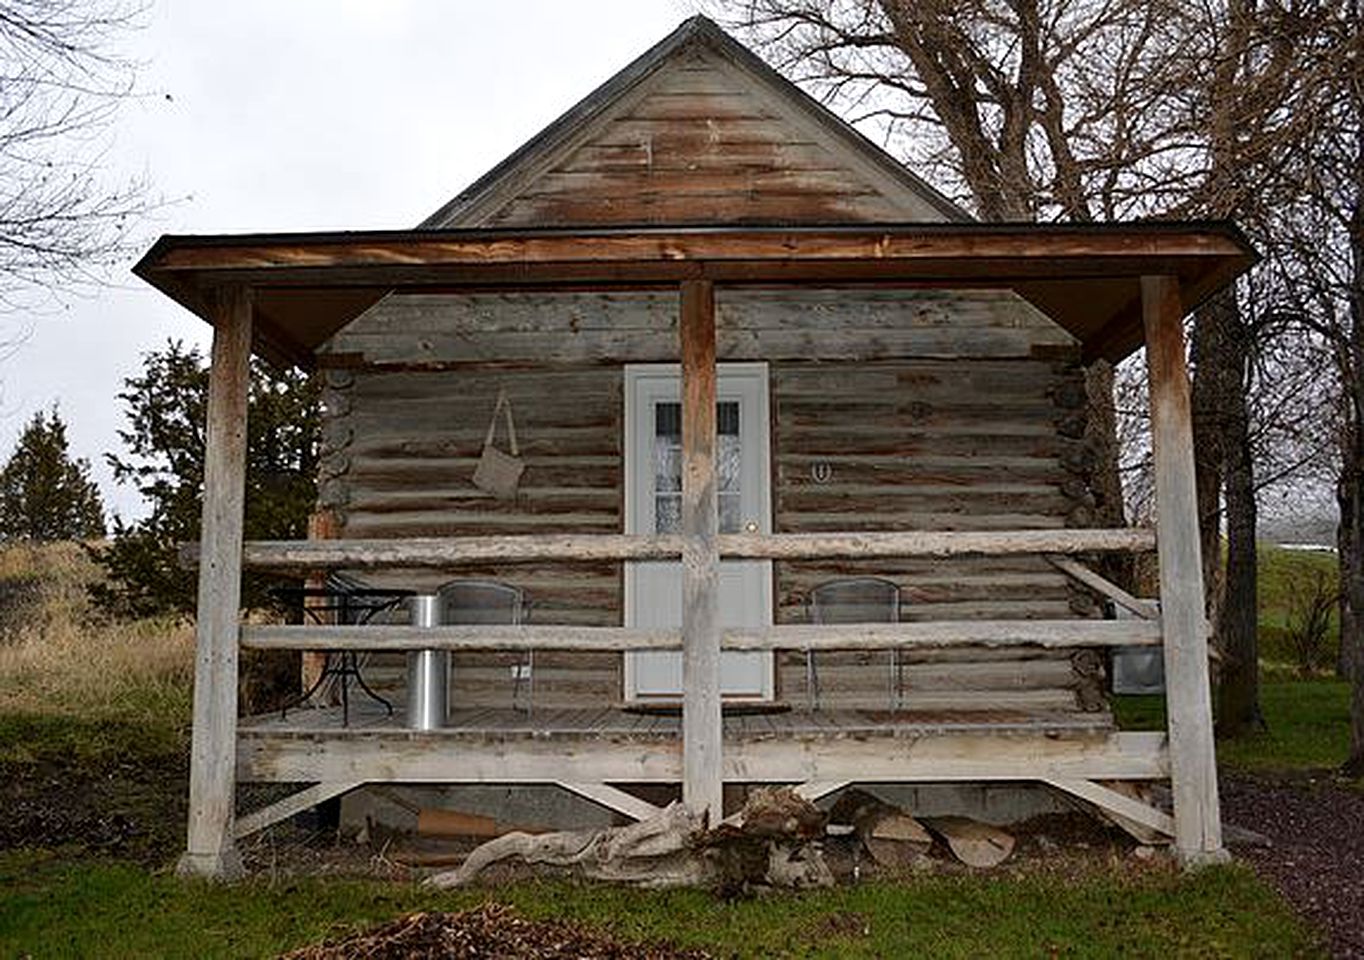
{"x":702,"y":732}
{"x":211,"y":851}
{"x":1193,"y":774}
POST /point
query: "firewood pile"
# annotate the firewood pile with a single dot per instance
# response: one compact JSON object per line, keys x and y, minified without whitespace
{"x":490,"y":931}
{"x":778,"y":839}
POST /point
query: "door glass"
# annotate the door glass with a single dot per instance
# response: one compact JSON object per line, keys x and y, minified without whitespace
{"x":667,"y":466}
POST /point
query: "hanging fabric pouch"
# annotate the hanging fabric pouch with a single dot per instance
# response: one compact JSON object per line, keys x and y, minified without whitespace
{"x":497,"y":472}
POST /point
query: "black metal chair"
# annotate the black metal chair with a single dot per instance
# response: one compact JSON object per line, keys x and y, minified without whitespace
{"x":854,"y":600}
{"x":491,"y":602}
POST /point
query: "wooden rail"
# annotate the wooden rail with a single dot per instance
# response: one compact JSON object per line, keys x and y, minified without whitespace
{"x":304,"y":555}
{"x":1051,"y":634}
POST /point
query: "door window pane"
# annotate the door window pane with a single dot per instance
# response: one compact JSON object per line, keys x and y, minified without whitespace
{"x":667,"y":466}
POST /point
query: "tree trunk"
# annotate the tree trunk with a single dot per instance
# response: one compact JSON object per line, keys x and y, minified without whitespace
{"x":1208,"y":347}
{"x":1238,"y":692}
{"x":1352,"y":573}
{"x":1353,"y":641}
{"x":1101,"y":436}
{"x":1347,"y":560}
{"x":1222,"y":344}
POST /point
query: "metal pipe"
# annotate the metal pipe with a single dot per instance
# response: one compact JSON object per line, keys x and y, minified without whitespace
{"x":428,"y":671}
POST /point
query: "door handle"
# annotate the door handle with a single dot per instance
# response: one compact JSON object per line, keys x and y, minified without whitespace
{"x":751,"y":527}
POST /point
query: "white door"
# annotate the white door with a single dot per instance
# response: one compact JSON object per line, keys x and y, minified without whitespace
{"x":653,"y":504}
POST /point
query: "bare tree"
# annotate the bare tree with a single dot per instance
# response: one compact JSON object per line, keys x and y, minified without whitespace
{"x":1321,"y":259}
{"x":1095,"y":110}
{"x":62,"y":82}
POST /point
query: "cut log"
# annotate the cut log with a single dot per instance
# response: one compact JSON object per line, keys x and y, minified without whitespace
{"x":893,"y":838}
{"x":973,"y":843}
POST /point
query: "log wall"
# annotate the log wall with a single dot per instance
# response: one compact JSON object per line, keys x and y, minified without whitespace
{"x":926,"y":410}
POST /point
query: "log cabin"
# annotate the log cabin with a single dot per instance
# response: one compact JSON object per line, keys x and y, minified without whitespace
{"x":753,"y":365}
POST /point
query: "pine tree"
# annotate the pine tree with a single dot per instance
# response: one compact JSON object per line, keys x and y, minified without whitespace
{"x":44,"y":494}
{"x":165,"y":407}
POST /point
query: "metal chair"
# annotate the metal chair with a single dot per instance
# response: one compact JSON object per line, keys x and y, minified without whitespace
{"x":491,"y":602}
{"x":854,"y":600}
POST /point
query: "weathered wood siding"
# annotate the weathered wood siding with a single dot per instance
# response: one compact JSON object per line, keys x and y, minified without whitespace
{"x":968,"y":444}
{"x":447,"y":330}
{"x":701,"y":141}
{"x":401,"y":451}
{"x":925,"y":410}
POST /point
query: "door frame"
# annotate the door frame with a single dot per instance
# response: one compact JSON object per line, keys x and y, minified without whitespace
{"x":757,"y":371}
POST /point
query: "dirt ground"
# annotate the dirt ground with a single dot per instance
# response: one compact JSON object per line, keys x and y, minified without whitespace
{"x":1315,"y":854}
{"x":1314,"y":828}
{"x":133,"y":811}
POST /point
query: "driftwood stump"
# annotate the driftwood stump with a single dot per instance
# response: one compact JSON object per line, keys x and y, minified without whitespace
{"x":772,"y":841}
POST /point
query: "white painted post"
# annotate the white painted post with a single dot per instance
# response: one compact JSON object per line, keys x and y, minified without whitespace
{"x":702,"y":730}
{"x":1193,"y":774}
{"x":211,"y":850}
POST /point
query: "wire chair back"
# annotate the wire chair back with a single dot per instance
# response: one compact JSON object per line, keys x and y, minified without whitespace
{"x":854,"y":600}
{"x":490,"y":602}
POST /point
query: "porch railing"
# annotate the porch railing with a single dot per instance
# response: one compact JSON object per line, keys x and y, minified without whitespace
{"x":1058,"y":545}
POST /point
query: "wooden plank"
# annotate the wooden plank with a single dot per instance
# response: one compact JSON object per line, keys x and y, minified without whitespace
{"x":1198,"y":821}
{"x":613,"y":798}
{"x":290,"y":805}
{"x":1116,"y":803}
{"x":1050,"y":249}
{"x":1146,"y":609}
{"x":702,"y":730}
{"x":447,"y":551}
{"x":445,"y":756}
{"x":211,"y":851}
{"x":1048,"y":634}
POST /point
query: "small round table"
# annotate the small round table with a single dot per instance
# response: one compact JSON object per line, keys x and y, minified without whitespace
{"x":349,"y":605}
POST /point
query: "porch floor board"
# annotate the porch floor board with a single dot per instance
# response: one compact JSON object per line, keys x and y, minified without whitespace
{"x":585,"y":724}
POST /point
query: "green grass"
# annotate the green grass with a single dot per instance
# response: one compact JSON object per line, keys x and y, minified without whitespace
{"x":31,"y":737}
{"x":56,"y":909}
{"x":1282,"y":578}
{"x":1308,"y":727}
{"x":1307,"y":721}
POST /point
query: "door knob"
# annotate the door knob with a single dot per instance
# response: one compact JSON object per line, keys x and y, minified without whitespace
{"x":751,"y":527}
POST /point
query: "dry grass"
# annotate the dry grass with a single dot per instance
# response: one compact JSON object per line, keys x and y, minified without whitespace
{"x":58,"y":656}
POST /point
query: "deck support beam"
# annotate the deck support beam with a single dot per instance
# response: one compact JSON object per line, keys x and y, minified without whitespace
{"x":290,"y":805}
{"x":813,"y":790}
{"x":1142,"y":818}
{"x":613,"y":798}
{"x":702,"y":729}
{"x":1193,"y":774}
{"x":211,"y":850}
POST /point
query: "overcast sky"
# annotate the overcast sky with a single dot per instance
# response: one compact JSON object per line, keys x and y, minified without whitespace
{"x":308,"y":115}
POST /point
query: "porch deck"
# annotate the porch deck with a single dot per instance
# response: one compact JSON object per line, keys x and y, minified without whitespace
{"x":741,"y":723}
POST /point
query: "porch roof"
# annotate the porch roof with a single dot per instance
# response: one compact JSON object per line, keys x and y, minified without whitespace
{"x":1086,"y":277}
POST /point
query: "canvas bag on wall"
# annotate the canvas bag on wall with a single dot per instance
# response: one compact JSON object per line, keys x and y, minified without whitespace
{"x":497,"y":472}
